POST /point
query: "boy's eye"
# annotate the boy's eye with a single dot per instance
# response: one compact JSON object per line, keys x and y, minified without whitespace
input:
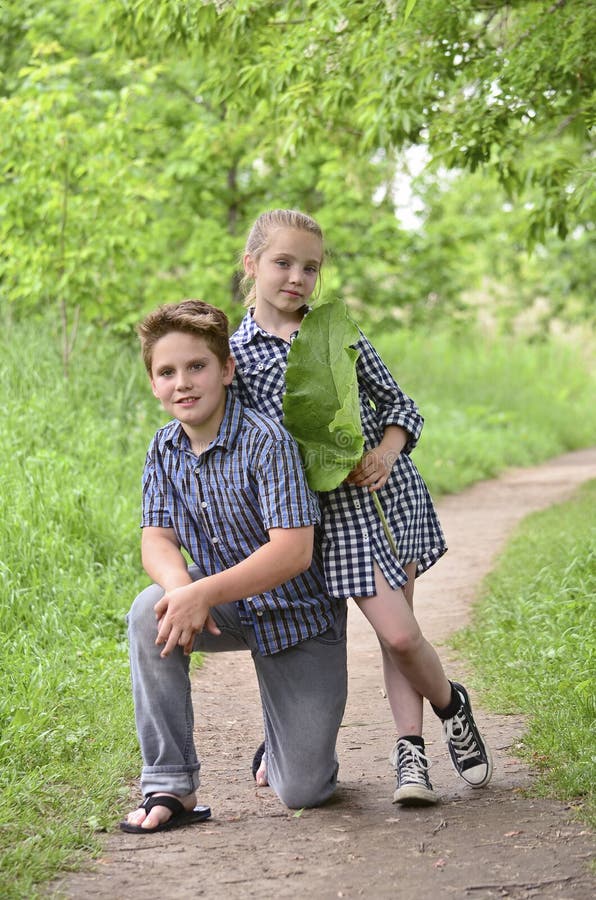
{"x":196,"y":366}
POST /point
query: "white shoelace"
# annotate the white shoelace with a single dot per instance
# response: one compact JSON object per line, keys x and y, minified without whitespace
{"x":411,"y":763}
{"x":457,"y":731}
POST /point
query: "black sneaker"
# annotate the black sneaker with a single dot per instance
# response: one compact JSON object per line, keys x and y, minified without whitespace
{"x":413,"y":784}
{"x":469,"y":754}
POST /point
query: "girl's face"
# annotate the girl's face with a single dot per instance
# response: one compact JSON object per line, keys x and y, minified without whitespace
{"x":286,"y":272}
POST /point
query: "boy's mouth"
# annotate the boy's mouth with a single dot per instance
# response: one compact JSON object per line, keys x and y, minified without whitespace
{"x":186,"y":401}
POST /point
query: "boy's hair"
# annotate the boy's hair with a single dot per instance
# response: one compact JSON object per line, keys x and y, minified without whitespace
{"x":190,"y":317}
{"x":260,"y":235}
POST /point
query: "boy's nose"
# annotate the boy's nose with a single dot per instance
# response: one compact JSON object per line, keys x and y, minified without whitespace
{"x":183,"y":381}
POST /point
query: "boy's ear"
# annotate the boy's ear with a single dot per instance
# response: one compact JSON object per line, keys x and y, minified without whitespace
{"x":249,"y":265}
{"x":228,"y":370}
{"x":153,"y":388}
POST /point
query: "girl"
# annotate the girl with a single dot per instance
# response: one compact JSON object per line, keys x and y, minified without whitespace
{"x":282,"y":263}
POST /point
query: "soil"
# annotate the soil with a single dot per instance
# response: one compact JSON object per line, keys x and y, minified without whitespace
{"x":494,"y":842}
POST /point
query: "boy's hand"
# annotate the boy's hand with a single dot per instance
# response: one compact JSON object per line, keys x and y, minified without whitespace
{"x":181,"y":614}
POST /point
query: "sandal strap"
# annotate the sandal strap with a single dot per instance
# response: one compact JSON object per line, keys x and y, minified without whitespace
{"x":170,"y":803}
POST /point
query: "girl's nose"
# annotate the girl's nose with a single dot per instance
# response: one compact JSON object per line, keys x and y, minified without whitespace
{"x":296,"y":275}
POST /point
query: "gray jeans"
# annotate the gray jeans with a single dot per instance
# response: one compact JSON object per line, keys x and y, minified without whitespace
{"x":303,"y":695}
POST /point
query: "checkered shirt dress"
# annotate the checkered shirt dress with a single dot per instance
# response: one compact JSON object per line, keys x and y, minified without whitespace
{"x":352,"y":535}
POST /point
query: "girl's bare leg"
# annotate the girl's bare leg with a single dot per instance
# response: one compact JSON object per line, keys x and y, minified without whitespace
{"x":411,"y":665}
{"x":404,"y":700}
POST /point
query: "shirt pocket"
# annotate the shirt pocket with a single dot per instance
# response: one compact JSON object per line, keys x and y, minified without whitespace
{"x":265,"y":379}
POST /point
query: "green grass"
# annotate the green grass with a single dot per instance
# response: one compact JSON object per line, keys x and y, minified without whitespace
{"x":70,"y":461}
{"x":489,"y":405}
{"x":71,"y":455}
{"x":532,"y":643}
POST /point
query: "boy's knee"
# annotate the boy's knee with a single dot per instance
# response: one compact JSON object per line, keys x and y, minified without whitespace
{"x":306,"y":791}
{"x":303,"y":799}
{"x":142,"y":612}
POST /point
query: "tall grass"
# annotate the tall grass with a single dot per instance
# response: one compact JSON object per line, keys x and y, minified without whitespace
{"x":533,"y":645}
{"x":71,"y":455}
{"x":489,"y":405}
{"x":70,"y":461}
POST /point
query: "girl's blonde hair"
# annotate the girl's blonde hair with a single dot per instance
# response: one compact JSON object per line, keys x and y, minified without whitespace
{"x":260,"y":235}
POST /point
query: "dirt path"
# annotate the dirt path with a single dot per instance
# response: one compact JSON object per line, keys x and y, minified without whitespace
{"x":478,"y":844}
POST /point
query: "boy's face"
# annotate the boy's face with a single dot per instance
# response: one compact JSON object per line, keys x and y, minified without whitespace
{"x":190,"y":382}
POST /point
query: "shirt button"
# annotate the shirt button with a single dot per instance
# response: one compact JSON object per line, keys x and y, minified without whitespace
{"x":357,"y":504}
{"x":259,"y":613}
{"x":214,"y":540}
{"x":260,"y":367}
{"x":204,"y":505}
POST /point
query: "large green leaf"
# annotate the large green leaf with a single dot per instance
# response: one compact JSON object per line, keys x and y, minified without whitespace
{"x":320,"y":405}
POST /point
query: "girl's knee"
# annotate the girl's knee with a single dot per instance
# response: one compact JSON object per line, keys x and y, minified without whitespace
{"x":402,"y":643}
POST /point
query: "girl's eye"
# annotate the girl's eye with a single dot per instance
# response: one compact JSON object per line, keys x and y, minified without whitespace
{"x":282,"y":262}
{"x":312,"y":270}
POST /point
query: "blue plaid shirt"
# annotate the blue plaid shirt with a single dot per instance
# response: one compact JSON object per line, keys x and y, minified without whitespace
{"x":352,"y":534}
{"x":221,"y":505}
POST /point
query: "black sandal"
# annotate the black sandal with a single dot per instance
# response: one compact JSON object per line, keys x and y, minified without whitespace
{"x":256,"y":760}
{"x":180,"y":816}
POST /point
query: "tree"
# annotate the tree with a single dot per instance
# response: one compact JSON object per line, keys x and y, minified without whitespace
{"x":139,"y":141}
{"x":505,"y":86}
{"x":129,"y":182}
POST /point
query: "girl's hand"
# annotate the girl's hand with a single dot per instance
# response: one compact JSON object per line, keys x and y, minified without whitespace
{"x":373,"y":470}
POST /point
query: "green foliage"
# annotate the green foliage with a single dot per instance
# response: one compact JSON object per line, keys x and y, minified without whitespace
{"x":485,"y":84}
{"x":532,"y":643}
{"x":321,"y":407}
{"x":140,"y":140}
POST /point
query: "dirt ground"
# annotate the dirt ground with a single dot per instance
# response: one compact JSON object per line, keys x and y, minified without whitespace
{"x":476,"y":843}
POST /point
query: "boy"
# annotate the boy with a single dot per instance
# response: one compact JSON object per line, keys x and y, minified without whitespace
{"x":226,"y":484}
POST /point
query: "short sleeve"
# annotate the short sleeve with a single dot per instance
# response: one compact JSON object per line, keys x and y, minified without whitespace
{"x":286,"y":500}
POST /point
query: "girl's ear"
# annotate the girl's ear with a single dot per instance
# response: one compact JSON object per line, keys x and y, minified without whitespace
{"x":249,"y":265}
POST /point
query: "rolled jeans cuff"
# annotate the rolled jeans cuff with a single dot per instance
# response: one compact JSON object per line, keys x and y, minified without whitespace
{"x":179,"y":780}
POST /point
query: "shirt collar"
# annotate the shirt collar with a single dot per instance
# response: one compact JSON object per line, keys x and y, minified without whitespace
{"x":248,"y":330}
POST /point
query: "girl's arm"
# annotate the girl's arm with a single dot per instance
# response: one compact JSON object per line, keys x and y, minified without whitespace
{"x":392,"y":405}
{"x":374,"y":468}
{"x":396,"y":417}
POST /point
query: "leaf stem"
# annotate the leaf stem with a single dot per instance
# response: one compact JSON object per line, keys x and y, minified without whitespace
{"x":388,"y":534}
